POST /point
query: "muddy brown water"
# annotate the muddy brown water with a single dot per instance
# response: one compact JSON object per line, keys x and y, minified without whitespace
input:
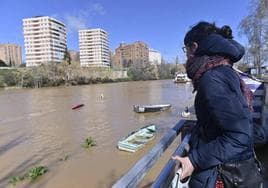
{"x":38,"y":127}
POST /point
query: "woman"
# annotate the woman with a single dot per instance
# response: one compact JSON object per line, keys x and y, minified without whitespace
{"x":223,"y":133}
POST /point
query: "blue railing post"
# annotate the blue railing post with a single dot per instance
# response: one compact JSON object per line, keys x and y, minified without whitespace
{"x":166,"y":175}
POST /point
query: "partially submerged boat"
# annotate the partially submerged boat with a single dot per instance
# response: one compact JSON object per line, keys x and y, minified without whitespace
{"x":151,"y":108}
{"x":77,"y":106}
{"x":137,"y":139}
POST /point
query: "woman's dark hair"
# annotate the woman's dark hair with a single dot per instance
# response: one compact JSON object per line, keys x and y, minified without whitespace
{"x":202,"y":29}
{"x":226,"y":32}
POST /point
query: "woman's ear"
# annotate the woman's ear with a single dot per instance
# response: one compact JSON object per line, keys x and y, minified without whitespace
{"x":194,"y":47}
{"x":191,"y":50}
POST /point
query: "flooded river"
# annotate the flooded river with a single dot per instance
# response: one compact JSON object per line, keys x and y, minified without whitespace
{"x":38,"y":127}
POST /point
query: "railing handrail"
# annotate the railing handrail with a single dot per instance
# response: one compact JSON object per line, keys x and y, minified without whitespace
{"x":167,"y":173}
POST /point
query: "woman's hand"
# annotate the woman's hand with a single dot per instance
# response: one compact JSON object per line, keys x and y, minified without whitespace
{"x":187,"y":167}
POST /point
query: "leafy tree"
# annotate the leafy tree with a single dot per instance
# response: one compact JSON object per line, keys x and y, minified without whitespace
{"x":164,"y":70}
{"x":22,"y":65}
{"x":173,"y":70}
{"x":255,"y":27}
{"x":67,"y":56}
{"x":11,"y":78}
{"x":142,"y":71}
{"x":28,"y":79}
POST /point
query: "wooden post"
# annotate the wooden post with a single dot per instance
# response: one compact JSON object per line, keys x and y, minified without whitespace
{"x":134,"y":176}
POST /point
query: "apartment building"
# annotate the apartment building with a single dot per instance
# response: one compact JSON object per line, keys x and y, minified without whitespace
{"x":154,"y":57}
{"x":94,"y":48}
{"x":74,"y":56}
{"x":10,"y":54}
{"x":127,"y":54}
{"x":44,"y":40}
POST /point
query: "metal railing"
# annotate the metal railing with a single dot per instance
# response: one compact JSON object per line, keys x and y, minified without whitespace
{"x":134,"y":176}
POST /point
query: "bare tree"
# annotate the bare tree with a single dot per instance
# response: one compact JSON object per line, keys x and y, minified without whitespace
{"x":177,"y":61}
{"x":255,"y":27}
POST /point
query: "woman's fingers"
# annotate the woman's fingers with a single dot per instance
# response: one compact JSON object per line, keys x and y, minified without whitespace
{"x":187,"y":167}
{"x":176,"y":158}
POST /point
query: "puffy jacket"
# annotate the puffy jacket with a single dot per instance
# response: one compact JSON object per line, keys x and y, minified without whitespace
{"x":224,"y":131}
{"x":215,"y":44}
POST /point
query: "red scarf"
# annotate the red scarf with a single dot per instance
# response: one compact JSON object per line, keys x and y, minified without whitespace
{"x":197,"y":66}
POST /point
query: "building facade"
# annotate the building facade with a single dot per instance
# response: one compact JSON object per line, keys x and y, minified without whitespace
{"x":44,"y":40}
{"x":10,"y":54}
{"x":94,"y":48}
{"x":74,"y":56}
{"x":127,"y":54}
{"x":154,"y":57}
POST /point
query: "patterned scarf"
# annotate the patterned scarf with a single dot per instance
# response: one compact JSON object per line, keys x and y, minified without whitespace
{"x":197,"y":66}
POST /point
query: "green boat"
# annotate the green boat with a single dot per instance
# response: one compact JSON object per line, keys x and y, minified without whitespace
{"x":137,"y":139}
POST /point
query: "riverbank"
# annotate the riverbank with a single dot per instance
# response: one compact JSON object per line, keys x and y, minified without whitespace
{"x":58,"y":75}
{"x":64,"y":73}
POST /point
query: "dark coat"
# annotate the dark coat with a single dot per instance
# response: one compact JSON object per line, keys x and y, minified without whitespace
{"x":224,"y":131}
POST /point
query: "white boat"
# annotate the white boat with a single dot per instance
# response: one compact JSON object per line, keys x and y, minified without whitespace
{"x":181,"y":78}
{"x":137,"y":139}
{"x":151,"y":108}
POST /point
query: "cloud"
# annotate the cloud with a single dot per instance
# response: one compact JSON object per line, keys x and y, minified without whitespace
{"x":98,"y":9}
{"x":74,"y":23}
{"x":82,"y":18}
